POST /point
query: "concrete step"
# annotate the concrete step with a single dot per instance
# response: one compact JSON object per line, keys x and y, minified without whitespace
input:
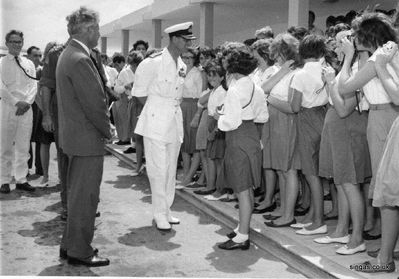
{"x":300,"y":252}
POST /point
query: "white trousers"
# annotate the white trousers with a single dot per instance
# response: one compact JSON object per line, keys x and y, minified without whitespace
{"x":15,"y":140}
{"x":161,"y":164}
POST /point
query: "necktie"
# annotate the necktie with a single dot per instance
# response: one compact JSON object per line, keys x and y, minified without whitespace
{"x":98,"y":70}
{"x":22,"y":68}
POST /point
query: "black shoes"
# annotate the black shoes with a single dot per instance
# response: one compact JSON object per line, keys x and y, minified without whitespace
{"x":300,"y":211}
{"x":94,"y":260}
{"x":204,"y":192}
{"x":273,"y":225}
{"x":25,"y":187}
{"x":270,"y":217}
{"x":129,"y":150}
{"x":231,"y":245}
{"x":5,"y":188}
{"x":264,"y":210}
{"x":122,"y":142}
{"x":231,"y":234}
{"x":64,"y":254}
{"x":367,"y":236}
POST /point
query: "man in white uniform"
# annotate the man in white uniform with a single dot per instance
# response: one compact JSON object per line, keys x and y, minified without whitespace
{"x":17,"y":92}
{"x":159,"y":82}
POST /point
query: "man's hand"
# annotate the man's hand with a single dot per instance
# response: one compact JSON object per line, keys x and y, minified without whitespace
{"x":22,"y":107}
{"x":129,"y":86}
{"x":48,"y":124}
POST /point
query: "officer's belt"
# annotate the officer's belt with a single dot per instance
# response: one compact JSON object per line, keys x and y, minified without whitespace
{"x":162,"y":101}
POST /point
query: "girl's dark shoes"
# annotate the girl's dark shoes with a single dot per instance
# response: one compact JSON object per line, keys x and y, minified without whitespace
{"x":300,"y":211}
{"x":264,"y":210}
{"x":231,"y":245}
{"x":231,"y":235}
{"x":204,"y":192}
{"x":367,"y":236}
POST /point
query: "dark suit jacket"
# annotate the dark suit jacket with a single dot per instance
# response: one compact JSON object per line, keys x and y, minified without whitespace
{"x":82,"y":111}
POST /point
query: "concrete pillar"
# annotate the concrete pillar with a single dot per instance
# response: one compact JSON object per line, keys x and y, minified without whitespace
{"x":206,"y":24}
{"x":103,"y":44}
{"x":298,"y":11}
{"x":157,"y":33}
{"x":125,"y":42}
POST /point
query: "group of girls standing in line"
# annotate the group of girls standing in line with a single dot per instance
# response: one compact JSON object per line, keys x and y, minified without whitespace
{"x":309,"y":111}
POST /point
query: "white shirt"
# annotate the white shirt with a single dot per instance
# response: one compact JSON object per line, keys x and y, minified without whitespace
{"x":238,"y":96}
{"x":259,"y":77}
{"x":111,"y":75}
{"x":216,"y":98}
{"x":125,"y":77}
{"x":374,"y":90}
{"x":281,"y":89}
{"x":192,"y":87}
{"x":308,"y":81}
{"x":15,"y":85}
{"x":84,"y":46}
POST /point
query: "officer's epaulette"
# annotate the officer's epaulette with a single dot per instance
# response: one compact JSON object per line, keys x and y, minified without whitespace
{"x":155,"y":54}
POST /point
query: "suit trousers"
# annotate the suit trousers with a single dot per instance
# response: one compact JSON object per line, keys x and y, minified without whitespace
{"x":84,"y":179}
{"x":62,"y":159}
{"x":161,"y":164}
{"x":15,"y":134}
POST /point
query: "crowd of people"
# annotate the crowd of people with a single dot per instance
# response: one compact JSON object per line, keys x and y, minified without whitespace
{"x":273,"y":122}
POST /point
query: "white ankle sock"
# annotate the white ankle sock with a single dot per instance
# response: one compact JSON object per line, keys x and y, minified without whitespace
{"x":240,"y":237}
{"x":236,"y":229}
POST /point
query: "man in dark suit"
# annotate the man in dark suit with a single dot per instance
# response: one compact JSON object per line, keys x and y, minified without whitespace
{"x":83,"y":128}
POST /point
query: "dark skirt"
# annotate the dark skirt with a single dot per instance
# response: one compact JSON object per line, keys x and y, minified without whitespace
{"x":39,"y":135}
{"x":134,"y":109}
{"x":282,"y":145}
{"x":243,"y":158}
{"x":202,"y":132}
{"x":309,"y":126}
{"x":189,"y":108}
{"x":344,"y":152}
{"x":216,"y":141}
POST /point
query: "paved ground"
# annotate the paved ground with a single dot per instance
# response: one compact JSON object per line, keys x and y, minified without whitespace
{"x":31,"y":231}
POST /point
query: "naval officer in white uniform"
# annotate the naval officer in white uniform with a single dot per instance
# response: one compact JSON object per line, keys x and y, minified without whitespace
{"x":159,"y":83}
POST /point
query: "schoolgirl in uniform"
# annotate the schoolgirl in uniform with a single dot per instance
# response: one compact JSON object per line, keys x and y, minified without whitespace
{"x":193,"y":86}
{"x":216,"y":138}
{"x":386,"y":193}
{"x":265,"y":70}
{"x":309,"y":99}
{"x":344,"y":156}
{"x":243,"y":106}
{"x":281,"y":153}
{"x":371,"y":31}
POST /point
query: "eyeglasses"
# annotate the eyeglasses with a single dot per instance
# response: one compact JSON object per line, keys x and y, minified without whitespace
{"x":37,"y":55}
{"x":15,"y":42}
{"x":187,"y":57}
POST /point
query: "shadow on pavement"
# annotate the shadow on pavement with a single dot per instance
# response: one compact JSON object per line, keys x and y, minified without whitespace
{"x":57,"y":207}
{"x":149,"y":237}
{"x":39,"y":192}
{"x":65,"y":269}
{"x":223,"y":260}
{"x":47,"y":233}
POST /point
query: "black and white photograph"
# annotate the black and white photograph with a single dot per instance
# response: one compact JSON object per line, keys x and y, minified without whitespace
{"x":199,"y":139}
